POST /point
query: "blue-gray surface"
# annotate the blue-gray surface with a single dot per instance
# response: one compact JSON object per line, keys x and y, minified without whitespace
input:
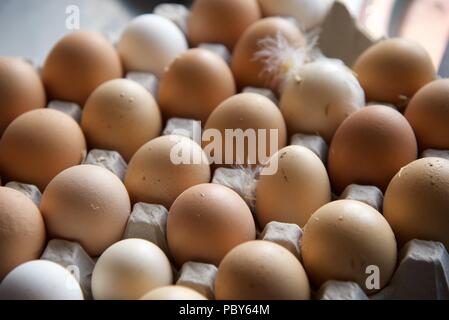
{"x":29,"y":28}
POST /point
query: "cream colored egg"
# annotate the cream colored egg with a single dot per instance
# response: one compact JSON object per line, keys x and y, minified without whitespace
{"x":129,"y":269}
{"x":320,"y":97}
{"x":173,"y":293}
{"x":299,"y":187}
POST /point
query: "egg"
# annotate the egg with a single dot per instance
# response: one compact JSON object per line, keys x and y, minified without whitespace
{"x":155,"y":175}
{"x":308,"y":13}
{"x":129,"y":269}
{"x":370,"y":147}
{"x":149,"y":43}
{"x":261,"y":270}
{"x":343,"y":240}
{"x":78,"y":64}
{"x":121,"y":115}
{"x":173,"y":293}
{"x":38,"y":145}
{"x":416,"y":203}
{"x":22,"y":230}
{"x":299,"y":187}
{"x":320,"y":97}
{"x":207,"y":221}
{"x":40,"y":280}
{"x":21,"y":90}
{"x":428,"y":113}
{"x":221,"y":21}
{"x":247,"y":69}
{"x":393,"y":70}
{"x":195,"y":84}
{"x":87,"y":204}
{"x":249,"y":113}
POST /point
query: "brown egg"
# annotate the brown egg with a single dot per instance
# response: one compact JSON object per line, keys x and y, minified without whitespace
{"x":194,"y":84}
{"x":416,"y":203}
{"x":206,"y":222}
{"x":299,"y":187}
{"x":246,"y":111}
{"x":155,"y":174}
{"x":21,"y":90}
{"x":87,"y":204}
{"x":121,"y":115}
{"x":221,"y":21}
{"x":343,"y":239}
{"x":78,"y":64}
{"x":22,"y":230}
{"x":247,"y":70}
{"x":40,"y":144}
{"x":428,"y":113}
{"x":370,"y":147}
{"x":261,"y":270}
{"x":393,"y":70}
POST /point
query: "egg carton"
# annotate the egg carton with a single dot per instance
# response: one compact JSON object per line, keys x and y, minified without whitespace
{"x":188,"y":128}
{"x":285,"y":234}
{"x":147,"y":80}
{"x":110,"y":160}
{"x":218,"y":49}
{"x":422,"y":274}
{"x":432,"y":153}
{"x":177,"y":13}
{"x":69,"y":108}
{"x":342,"y":37}
{"x":264,"y":92}
{"x":199,"y":277}
{"x":241,"y":180}
{"x":314,"y":143}
{"x":148,"y":222}
{"x":74,"y":258}
{"x":341,"y":290}
{"x":370,"y":195}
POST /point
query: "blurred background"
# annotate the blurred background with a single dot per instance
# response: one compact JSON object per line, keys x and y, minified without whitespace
{"x":28,"y":28}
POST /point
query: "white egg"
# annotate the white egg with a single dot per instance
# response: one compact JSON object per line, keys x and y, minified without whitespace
{"x":40,"y":280}
{"x":129,"y":269}
{"x":309,"y":13}
{"x":150,"y":43}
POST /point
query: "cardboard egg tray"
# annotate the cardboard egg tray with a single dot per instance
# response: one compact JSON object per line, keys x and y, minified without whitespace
{"x":423,"y":267}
